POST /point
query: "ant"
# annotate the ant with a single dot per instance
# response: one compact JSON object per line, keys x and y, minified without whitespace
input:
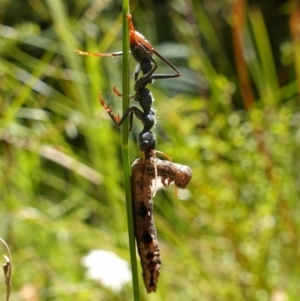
{"x":144,"y":97}
{"x":142,"y":51}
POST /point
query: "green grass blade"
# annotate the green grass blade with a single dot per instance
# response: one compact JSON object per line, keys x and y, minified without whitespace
{"x":125,"y":153}
{"x":270,"y":89}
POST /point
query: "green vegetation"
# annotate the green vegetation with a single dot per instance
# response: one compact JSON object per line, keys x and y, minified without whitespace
{"x":233,"y":117}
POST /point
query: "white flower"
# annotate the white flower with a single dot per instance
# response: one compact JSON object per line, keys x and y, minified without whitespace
{"x":107,"y":268}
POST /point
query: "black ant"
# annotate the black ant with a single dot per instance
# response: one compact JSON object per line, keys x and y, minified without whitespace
{"x":142,"y":51}
{"x":144,"y":97}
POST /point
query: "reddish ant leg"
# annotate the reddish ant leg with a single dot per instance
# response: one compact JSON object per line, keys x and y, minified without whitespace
{"x":109,"y":111}
{"x":116,"y":91}
{"x":116,"y":119}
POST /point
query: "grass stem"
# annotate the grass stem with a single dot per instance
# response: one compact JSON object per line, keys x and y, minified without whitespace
{"x":125,"y":152}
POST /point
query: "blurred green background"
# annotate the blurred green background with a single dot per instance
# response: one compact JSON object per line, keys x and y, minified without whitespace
{"x":233,"y":116}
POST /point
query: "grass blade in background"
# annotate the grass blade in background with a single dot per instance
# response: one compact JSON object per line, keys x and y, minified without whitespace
{"x":234,"y":234}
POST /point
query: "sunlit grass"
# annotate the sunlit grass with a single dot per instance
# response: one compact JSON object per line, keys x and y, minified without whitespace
{"x":234,"y":236}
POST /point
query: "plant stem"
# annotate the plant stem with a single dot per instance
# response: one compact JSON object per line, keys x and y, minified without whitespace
{"x":125,"y":153}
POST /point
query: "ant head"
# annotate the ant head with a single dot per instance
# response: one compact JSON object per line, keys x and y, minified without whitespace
{"x":147,"y":142}
{"x":136,"y":38}
{"x":129,"y":17}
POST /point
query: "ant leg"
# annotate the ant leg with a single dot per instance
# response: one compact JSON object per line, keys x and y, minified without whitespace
{"x":130,"y":111}
{"x":112,"y":54}
{"x":160,"y":76}
{"x":118,"y":93}
{"x":157,"y":76}
{"x":116,"y":119}
{"x":130,"y":121}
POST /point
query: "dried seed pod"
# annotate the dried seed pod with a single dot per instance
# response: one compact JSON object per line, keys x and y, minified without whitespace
{"x":145,"y":232}
{"x":143,"y":172}
{"x":170,"y":171}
